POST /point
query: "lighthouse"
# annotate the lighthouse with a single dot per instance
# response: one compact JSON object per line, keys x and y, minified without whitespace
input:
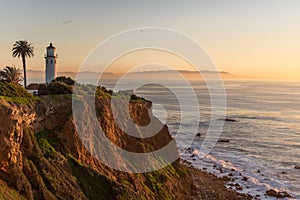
{"x":50,"y":58}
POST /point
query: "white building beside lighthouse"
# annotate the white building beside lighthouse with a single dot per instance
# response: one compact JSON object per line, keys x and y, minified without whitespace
{"x":50,"y":58}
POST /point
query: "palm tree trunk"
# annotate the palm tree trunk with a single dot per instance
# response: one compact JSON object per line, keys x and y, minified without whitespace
{"x":24,"y":69}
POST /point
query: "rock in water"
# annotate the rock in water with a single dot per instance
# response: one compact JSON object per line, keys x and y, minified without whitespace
{"x":280,"y":195}
{"x":223,"y":141}
{"x":271,"y":193}
{"x":195,"y":152}
{"x":230,"y":120}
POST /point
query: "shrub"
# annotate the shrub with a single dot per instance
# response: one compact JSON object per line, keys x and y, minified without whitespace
{"x":102,"y":91}
{"x":16,"y":93}
{"x":59,"y":88}
{"x":13,"y":90}
{"x":64,"y":79}
{"x":42,"y":89}
{"x":60,"y":85}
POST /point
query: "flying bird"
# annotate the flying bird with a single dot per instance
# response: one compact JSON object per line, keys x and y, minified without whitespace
{"x":67,"y":22}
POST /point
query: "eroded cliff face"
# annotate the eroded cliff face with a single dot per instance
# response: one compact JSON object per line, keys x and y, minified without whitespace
{"x":43,"y":157}
{"x":14,"y":120}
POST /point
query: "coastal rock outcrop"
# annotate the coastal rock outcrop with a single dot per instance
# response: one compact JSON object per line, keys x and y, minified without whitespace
{"x":43,"y":157}
{"x":15,"y":119}
{"x":223,"y":141}
{"x":276,"y":194}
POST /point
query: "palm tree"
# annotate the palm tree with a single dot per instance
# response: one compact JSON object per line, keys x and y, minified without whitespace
{"x":23,"y":49}
{"x":11,"y":75}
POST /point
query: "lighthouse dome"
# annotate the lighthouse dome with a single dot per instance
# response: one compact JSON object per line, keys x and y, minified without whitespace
{"x":51,"y":46}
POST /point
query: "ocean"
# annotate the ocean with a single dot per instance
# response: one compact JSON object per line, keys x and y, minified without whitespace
{"x":261,"y":130}
{"x":262,"y":126}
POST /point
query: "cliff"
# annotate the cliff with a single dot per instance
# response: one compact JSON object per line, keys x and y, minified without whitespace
{"x":42,"y":156}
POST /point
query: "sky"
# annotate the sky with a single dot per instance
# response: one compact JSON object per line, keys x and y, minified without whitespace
{"x":257,"y":38}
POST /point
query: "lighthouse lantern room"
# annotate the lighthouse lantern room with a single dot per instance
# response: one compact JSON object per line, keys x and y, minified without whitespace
{"x":50,"y":58}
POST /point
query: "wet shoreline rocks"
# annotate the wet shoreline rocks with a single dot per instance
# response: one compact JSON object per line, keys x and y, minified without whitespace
{"x":228,"y":120}
{"x":276,"y":194}
{"x":223,"y":141}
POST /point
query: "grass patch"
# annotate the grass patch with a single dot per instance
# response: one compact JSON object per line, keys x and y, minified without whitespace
{"x":93,"y":184}
{"x":13,"y":90}
{"x":16,"y":94}
{"x":45,"y":146}
{"x":8,"y":194}
{"x":156,"y":185}
{"x":46,"y":142}
{"x":155,"y":181}
{"x":18,"y":100}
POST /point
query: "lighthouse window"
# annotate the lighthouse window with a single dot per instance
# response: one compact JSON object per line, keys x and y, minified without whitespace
{"x":46,"y":61}
{"x":51,"y":61}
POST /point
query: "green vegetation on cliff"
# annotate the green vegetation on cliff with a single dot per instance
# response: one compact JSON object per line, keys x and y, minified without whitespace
{"x":15,"y":93}
{"x":60,"y":85}
{"x":8,"y":194}
{"x":94,"y":185}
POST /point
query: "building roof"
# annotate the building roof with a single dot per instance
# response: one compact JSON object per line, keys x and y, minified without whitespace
{"x":51,"y":46}
{"x":33,"y":86}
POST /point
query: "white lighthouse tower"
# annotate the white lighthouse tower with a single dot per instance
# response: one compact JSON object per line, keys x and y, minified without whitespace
{"x":50,"y":57}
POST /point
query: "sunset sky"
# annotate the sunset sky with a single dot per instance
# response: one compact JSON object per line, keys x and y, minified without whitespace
{"x":259,"y":38}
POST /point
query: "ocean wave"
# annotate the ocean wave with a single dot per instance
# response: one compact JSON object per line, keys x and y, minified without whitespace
{"x":247,"y":179}
{"x":269,"y":118}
